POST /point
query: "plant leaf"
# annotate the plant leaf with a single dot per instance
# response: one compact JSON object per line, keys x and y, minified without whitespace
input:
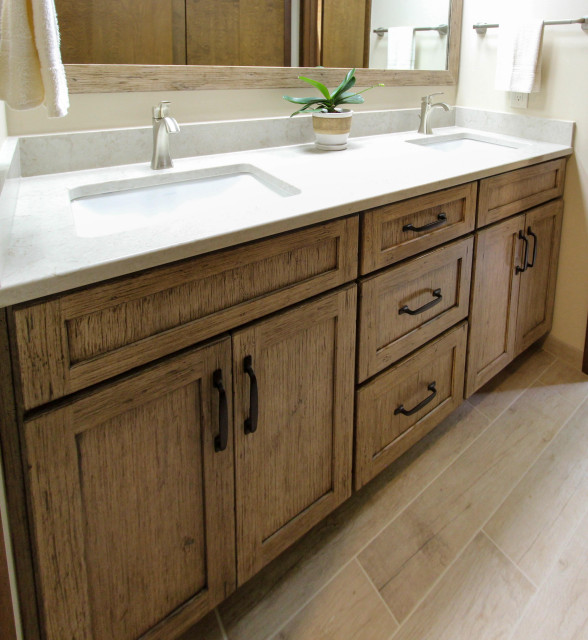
{"x":353,"y":98}
{"x":318,"y":85}
{"x":302,"y":100}
{"x":347,"y":83}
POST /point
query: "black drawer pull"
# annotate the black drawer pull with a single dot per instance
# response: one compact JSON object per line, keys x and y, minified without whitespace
{"x":522,"y":269}
{"x":420,"y":405}
{"x":251,"y":422}
{"x":222,"y":439}
{"x":534,"y":236}
{"x":413,"y":312}
{"x":441,"y":218}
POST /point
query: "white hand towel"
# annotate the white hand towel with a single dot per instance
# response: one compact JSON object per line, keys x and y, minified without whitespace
{"x":400,"y":48}
{"x":31,"y":71}
{"x":518,"y":64}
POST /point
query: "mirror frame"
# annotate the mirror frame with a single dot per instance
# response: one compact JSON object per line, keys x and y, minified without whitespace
{"x":115,"y":78}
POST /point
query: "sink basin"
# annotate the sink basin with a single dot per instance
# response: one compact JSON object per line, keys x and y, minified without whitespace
{"x":465,"y":141}
{"x":113,"y":207}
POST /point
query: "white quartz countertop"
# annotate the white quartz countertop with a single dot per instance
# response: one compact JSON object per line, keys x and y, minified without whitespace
{"x":46,"y":256}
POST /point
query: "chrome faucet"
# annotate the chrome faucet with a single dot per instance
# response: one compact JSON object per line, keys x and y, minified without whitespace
{"x":426,"y":107}
{"x":163,"y":125}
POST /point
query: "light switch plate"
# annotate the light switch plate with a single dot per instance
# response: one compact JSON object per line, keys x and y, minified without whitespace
{"x":519,"y":100}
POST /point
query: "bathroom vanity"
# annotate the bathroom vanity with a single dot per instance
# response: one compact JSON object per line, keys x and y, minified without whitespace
{"x":176,"y":420}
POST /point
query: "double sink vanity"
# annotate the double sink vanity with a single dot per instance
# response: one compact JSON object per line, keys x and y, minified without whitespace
{"x":208,"y":360}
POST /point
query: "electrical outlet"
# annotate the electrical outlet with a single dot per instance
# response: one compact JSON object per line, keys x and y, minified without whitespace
{"x":519,"y":100}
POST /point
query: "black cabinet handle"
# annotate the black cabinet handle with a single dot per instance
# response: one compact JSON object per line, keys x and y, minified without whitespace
{"x":441,"y":218}
{"x":420,"y":405}
{"x":251,"y":422}
{"x":413,"y":312}
{"x":534,"y":236}
{"x":518,"y":269}
{"x":222,"y":439}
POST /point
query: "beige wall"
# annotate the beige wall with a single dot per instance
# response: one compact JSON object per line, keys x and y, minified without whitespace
{"x":564,"y":95}
{"x":98,"y":111}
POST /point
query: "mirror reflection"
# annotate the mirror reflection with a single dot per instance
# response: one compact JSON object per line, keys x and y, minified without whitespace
{"x":377,"y":34}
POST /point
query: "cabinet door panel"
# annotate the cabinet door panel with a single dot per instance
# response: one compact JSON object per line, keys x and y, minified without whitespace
{"x":537,"y":292}
{"x":132,"y":508}
{"x":296,"y":467}
{"x":493,"y":306}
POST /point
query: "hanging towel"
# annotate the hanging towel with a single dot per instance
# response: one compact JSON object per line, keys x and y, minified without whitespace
{"x":400,"y":48}
{"x":31,"y":72}
{"x":518,"y":65}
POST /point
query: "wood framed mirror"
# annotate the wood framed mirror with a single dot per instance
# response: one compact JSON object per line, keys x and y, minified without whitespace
{"x":109,"y":78}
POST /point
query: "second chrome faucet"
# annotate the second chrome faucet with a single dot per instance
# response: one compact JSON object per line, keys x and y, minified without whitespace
{"x":426,"y":107}
{"x":163,"y":126}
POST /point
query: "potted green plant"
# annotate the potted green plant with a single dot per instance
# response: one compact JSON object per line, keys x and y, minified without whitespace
{"x":330,"y":121}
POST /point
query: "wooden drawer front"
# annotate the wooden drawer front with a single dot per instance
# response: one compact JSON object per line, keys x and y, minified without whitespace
{"x":385,"y":240}
{"x":509,"y":193}
{"x":78,"y":339}
{"x":386,"y":335}
{"x":383,"y":435}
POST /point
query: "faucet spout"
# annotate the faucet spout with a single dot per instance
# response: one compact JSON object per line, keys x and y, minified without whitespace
{"x":426,"y":107}
{"x":163,"y":126}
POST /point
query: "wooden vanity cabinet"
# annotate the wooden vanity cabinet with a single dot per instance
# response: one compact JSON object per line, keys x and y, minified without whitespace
{"x":513,"y":289}
{"x":132,"y":507}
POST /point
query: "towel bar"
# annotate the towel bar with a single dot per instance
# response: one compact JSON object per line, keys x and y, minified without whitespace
{"x":443,"y":30}
{"x":482,"y":27}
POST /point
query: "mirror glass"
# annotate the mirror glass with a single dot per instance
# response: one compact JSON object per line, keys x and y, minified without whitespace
{"x":375,"y":34}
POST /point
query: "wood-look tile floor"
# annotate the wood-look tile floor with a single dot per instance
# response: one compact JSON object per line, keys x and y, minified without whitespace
{"x":480,"y":532}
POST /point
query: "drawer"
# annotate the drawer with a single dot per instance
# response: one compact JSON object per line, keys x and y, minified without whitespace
{"x":509,"y":193}
{"x":397,"y":408}
{"x":410,"y":304}
{"x":401,"y":230}
{"x":75,"y":340}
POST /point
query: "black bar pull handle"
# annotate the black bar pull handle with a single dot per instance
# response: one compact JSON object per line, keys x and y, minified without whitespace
{"x":251,"y":421}
{"x":222,"y":439}
{"x":518,"y":269}
{"x":420,"y":405}
{"x":413,"y":312}
{"x":441,"y":219}
{"x":534,"y":236}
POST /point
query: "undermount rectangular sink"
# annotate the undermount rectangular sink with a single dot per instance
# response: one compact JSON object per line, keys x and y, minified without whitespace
{"x":465,"y":141}
{"x":117,"y":206}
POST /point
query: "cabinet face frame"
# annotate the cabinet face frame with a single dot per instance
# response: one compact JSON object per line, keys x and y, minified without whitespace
{"x":61,"y":527}
{"x":326,"y":324}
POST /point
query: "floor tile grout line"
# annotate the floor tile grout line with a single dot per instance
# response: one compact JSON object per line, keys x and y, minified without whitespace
{"x":220,"y":624}
{"x":510,"y":559}
{"x":479,"y":530}
{"x":365,"y":573}
{"x":491,"y":421}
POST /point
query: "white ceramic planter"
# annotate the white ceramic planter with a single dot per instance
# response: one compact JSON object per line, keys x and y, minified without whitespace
{"x":332,"y":129}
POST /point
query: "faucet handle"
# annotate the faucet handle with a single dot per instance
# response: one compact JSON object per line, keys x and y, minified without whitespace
{"x":161,"y":110}
{"x":427,"y":99}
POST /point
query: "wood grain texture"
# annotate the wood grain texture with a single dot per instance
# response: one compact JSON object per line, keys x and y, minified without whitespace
{"x":280,"y":590}
{"x":343,"y":34}
{"x":493,"y":306}
{"x":560,"y":609}
{"x":412,"y":553}
{"x":120,"y":31}
{"x":382,"y":436}
{"x":534,"y":523}
{"x":348,"y":608}
{"x":537,"y":287}
{"x":384,"y":241}
{"x":481,"y":596}
{"x":15,"y":487}
{"x":509,"y":193}
{"x":296,"y":468}
{"x":7,"y":624}
{"x":385,"y":336}
{"x":78,"y":339}
{"x":131,"y":503}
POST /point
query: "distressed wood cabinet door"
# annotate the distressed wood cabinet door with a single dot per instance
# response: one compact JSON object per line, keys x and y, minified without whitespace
{"x":493,"y":305}
{"x":296,"y":466}
{"x":537,"y":292}
{"x":133,"y":509}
